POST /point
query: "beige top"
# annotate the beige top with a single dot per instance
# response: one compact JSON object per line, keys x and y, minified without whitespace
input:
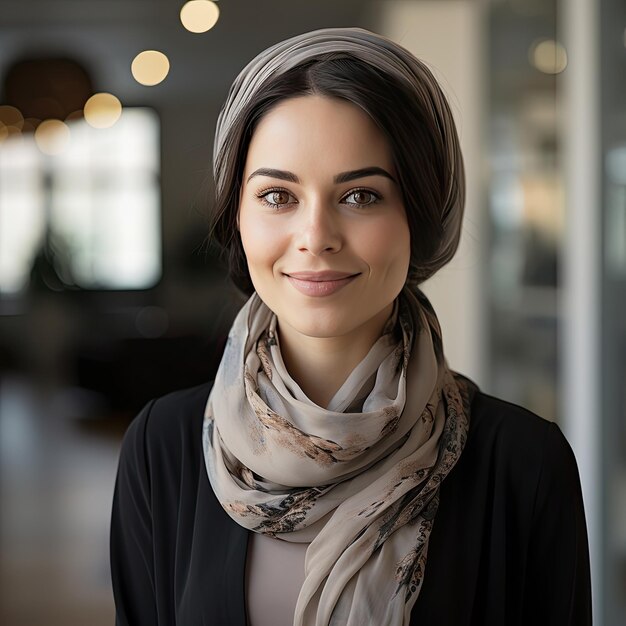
{"x":274,"y":576}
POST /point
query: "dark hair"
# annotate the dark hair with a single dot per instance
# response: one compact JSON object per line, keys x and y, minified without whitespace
{"x":420,"y":131}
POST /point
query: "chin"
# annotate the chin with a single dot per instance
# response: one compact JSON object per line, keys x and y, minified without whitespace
{"x":318,"y":327}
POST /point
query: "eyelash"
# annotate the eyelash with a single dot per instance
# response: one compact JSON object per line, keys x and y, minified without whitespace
{"x":266,"y":192}
{"x":376,"y":197}
{"x":262,"y":196}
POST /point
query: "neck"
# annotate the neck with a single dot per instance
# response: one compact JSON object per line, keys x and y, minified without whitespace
{"x":320,"y":365}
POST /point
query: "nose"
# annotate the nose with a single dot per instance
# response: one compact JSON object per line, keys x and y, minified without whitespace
{"x":318,"y":229}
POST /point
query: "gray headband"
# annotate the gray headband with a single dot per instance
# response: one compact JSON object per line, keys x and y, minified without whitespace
{"x":382,"y":54}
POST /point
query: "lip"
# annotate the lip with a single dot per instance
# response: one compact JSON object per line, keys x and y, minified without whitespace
{"x":323,"y":275}
{"x":319,"y":284}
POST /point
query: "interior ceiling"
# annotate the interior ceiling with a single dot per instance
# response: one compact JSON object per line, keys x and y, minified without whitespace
{"x":105,"y":35}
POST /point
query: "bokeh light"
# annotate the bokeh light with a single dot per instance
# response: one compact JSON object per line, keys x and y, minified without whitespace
{"x":12,"y":119}
{"x":548,"y":56}
{"x":150,"y":67}
{"x":30,"y":125}
{"x":52,"y":137}
{"x":74,"y":116}
{"x":102,"y":110}
{"x":198,"y":16}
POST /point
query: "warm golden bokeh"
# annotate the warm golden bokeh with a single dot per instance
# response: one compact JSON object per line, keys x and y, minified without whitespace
{"x":102,"y":110}
{"x":52,"y":137}
{"x":548,"y":56}
{"x":150,"y":67}
{"x":198,"y":16}
{"x":11,"y":117}
{"x":30,"y":124}
{"x":75,"y":115}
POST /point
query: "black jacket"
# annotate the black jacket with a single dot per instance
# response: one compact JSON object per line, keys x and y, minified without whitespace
{"x":508,"y":548}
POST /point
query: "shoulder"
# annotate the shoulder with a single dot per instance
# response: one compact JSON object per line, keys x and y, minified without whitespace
{"x":511,"y":518}
{"x":510,"y":426}
{"x":171,"y":412}
{"x":519,"y":449}
{"x":504,"y":421}
{"x":501,"y":424}
{"x":167,"y":425}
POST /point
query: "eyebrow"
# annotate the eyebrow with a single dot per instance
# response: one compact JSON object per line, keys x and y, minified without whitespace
{"x":343,"y":177}
{"x":272,"y":173}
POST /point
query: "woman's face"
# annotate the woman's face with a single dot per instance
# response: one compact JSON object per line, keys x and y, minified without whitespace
{"x":321,"y":218}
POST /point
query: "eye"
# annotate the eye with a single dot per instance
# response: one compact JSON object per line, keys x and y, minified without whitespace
{"x":361,"y":197}
{"x":276,"y":197}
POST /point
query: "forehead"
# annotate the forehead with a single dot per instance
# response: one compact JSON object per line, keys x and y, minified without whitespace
{"x":320,"y":131}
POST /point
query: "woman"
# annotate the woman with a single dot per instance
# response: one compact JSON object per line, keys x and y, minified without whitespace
{"x":336,"y":471}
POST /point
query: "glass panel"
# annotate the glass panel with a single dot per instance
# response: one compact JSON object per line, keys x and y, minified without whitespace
{"x":92,"y":211}
{"x":613,"y":361}
{"x":526,"y":205}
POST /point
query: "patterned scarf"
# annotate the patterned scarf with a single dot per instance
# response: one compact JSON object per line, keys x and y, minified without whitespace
{"x":359,"y":480}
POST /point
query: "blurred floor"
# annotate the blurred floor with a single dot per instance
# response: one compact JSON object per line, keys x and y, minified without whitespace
{"x":57,"y":471}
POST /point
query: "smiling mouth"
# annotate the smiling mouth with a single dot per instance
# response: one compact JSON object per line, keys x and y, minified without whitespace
{"x":319,"y":284}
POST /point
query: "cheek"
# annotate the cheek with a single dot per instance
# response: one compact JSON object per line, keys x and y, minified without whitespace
{"x":261,"y":242}
{"x":386,"y":244}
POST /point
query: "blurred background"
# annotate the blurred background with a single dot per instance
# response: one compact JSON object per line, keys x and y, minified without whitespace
{"x":110,"y":294}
